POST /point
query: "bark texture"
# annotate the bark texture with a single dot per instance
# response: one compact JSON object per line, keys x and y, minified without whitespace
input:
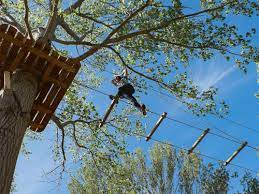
{"x":15,"y":108}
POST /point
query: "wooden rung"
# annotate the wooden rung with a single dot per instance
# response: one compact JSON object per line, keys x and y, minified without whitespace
{"x":198,"y":140}
{"x":114,"y":101}
{"x":7,"y":80}
{"x":235,"y":153}
{"x":156,"y":126}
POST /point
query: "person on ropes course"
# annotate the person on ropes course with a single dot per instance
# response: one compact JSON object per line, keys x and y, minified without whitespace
{"x":126,"y":90}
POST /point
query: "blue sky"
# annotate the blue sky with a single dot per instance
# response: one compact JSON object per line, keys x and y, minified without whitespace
{"x":235,"y":88}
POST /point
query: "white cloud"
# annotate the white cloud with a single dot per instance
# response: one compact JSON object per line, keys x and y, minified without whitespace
{"x":208,"y":75}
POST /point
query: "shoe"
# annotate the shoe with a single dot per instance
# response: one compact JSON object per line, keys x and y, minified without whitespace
{"x":112,"y":98}
{"x":143,"y":109}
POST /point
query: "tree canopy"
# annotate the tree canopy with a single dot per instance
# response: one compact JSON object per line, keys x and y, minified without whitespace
{"x":167,"y":172}
{"x":153,"y":39}
{"x":156,"y":40}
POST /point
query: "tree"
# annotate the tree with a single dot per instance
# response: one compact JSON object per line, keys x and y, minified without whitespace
{"x":214,"y":180}
{"x":155,"y":40}
{"x":250,"y":184}
{"x":131,"y":174}
{"x":168,"y":172}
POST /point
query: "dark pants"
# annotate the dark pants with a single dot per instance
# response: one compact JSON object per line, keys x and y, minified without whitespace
{"x":126,"y":92}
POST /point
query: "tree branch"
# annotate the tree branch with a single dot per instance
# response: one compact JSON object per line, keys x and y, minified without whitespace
{"x":93,"y":19}
{"x":179,"y":44}
{"x":128,"y":19}
{"x":26,"y":19}
{"x":137,"y":72}
{"x":73,"y":7}
{"x":96,"y":48}
{"x":13,"y":22}
{"x":56,"y":120}
{"x":164,"y":24}
{"x":80,"y":121}
{"x":88,"y":53}
{"x":66,"y":27}
{"x":67,"y":42}
{"x":52,"y":23}
{"x":202,"y":46}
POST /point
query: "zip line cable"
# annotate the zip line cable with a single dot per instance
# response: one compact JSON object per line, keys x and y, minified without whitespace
{"x":175,"y":120}
{"x":195,"y":127}
{"x":178,"y":147}
{"x":172,"y":145}
{"x":225,"y":118}
{"x":240,"y":124}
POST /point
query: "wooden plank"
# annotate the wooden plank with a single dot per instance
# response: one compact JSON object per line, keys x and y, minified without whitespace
{"x":3,"y":28}
{"x":201,"y":137}
{"x":20,"y":58}
{"x":50,"y":95}
{"x":69,"y":78}
{"x":21,"y":52}
{"x":5,"y":46}
{"x":156,"y":126}
{"x":235,"y":153}
{"x":41,"y":63}
{"x":7,"y":80}
{"x":11,"y":60}
{"x":49,"y":69}
{"x":57,"y":82}
{"x":44,"y":89}
{"x":61,"y":76}
{"x":56,"y":72}
{"x":37,"y":52}
{"x":32,"y":57}
{"x":4,"y":50}
{"x":35,"y":126}
{"x":41,"y":108}
{"x":11,"y":31}
{"x":109,"y":110}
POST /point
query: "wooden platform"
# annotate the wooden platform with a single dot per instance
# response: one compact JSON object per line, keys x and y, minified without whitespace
{"x":54,"y":71}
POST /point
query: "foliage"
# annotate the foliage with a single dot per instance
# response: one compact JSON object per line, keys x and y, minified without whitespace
{"x":160,"y":38}
{"x":167,"y":172}
{"x":214,"y":180}
{"x":250,"y":184}
{"x":157,"y":41}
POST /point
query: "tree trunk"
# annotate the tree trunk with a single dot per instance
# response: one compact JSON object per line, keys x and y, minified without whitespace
{"x":15,"y":108}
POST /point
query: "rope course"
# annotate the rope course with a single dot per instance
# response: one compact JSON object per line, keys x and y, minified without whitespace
{"x":172,"y":145}
{"x":175,"y":120}
{"x":227,"y":119}
{"x":164,"y":116}
{"x":186,"y":149}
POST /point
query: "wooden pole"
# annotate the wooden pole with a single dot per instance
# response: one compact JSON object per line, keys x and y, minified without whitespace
{"x":235,"y":153}
{"x":114,"y":101}
{"x":156,"y":126}
{"x":7,"y":80}
{"x":198,"y":140}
